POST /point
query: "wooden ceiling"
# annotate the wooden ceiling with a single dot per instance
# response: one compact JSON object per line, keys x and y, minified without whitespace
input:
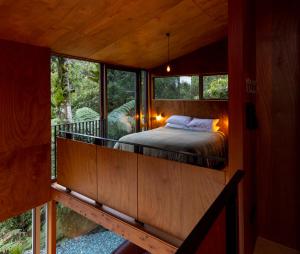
{"x":124,"y":32}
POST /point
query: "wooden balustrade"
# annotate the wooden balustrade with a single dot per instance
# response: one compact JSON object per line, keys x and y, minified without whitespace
{"x":168,"y":195}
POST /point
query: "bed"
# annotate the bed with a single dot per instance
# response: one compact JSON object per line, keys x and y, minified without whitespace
{"x":203,"y":148}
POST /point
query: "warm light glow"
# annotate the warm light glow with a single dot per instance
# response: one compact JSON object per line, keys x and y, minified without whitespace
{"x":215,"y":126}
{"x":226,"y":122}
{"x":168,"y":68}
{"x":158,"y":118}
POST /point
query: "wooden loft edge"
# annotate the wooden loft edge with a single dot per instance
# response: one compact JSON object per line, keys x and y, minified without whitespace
{"x":134,"y":233}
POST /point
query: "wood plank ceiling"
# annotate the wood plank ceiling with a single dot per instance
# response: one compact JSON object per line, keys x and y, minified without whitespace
{"x":124,"y":32}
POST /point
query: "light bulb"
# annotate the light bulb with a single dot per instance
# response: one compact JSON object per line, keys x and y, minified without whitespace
{"x":158,"y":117}
{"x":168,"y":68}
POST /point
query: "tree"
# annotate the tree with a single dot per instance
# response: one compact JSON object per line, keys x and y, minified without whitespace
{"x":74,"y":85}
{"x":61,"y":89}
{"x":216,"y":87}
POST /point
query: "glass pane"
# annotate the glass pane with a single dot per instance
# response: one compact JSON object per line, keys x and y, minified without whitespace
{"x":16,"y":234}
{"x":74,"y":90}
{"x":76,"y":234}
{"x":215,"y":87}
{"x":43,"y":232}
{"x":75,"y":98}
{"x":143,"y":106}
{"x":181,"y":87}
{"x":121,"y":87}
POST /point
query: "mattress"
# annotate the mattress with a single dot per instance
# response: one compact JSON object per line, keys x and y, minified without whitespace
{"x":207,"y":149}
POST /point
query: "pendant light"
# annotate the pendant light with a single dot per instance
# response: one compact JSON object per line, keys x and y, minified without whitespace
{"x":168,"y":65}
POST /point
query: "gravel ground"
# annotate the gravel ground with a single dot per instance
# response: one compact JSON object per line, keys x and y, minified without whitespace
{"x":103,"y":242}
{"x":100,"y":242}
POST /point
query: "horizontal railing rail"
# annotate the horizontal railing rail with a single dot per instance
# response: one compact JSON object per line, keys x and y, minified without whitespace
{"x":138,"y":148}
{"x":226,"y":199}
{"x":84,"y":127}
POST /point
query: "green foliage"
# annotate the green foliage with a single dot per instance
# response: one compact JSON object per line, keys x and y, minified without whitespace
{"x":74,"y":82}
{"x":216,"y":87}
{"x":121,"y":120}
{"x":177,"y":88}
{"x":22,"y":222}
{"x":16,"y":250}
{"x":85,"y":114}
{"x":121,"y":88}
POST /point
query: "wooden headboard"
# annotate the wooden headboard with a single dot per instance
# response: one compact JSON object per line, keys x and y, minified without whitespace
{"x":198,"y":108}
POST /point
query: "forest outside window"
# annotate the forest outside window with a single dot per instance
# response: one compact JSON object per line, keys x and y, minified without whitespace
{"x":210,"y":87}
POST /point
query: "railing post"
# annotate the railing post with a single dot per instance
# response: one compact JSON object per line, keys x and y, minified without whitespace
{"x":232,"y":224}
{"x":51,"y":227}
{"x":36,"y":230}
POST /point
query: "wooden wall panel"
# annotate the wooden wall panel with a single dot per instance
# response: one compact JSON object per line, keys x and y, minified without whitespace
{"x":241,"y":139}
{"x":117,"y":180}
{"x":201,"y":109}
{"x":278,"y":108}
{"x":76,"y":166}
{"x":173,"y":196}
{"x":210,"y":59}
{"x":24,"y":128}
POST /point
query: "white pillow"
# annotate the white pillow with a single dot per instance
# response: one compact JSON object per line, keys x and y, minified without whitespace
{"x":179,"y":120}
{"x":176,"y":126}
{"x":203,"y":124}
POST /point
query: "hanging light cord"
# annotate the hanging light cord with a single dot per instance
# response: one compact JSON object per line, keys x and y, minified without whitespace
{"x":168,"y":35}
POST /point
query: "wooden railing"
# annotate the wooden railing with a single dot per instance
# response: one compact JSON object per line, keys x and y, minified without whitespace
{"x":227,"y":202}
{"x":168,"y":195}
{"x":92,"y":128}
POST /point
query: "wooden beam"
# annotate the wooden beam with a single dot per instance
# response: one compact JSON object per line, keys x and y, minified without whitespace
{"x":134,"y":233}
{"x":36,"y":230}
{"x":51,"y":227}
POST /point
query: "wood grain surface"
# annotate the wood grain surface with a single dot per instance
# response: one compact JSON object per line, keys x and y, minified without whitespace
{"x":24,"y":128}
{"x":173,"y":196}
{"x":76,"y":166}
{"x":117,"y":32}
{"x":117,"y":180}
{"x":201,"y":109}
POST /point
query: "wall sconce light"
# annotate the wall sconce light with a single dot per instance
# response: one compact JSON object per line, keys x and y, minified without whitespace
{"x":159,"y":117}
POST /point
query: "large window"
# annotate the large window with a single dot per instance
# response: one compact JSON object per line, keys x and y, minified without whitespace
{"x":121,"y":105}
{"x":191,"y":87}
{"x":75,"y":93}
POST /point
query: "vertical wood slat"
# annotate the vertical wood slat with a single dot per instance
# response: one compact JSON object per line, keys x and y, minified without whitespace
{"x":51,"y":227}
{"x":77,"y":166}
{"x":173,"y":196}
{"x":117,"y":180}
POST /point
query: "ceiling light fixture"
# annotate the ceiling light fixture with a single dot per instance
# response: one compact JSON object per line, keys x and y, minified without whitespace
{"x":168,"y":65}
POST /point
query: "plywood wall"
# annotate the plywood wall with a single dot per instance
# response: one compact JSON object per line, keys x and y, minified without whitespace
{"x":210,"y":109}
{"x":278,"y":108}
{"x":206,"y":60}
{"x":24,"y":128}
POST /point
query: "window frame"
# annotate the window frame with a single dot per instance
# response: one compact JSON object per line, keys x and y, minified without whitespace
{"x":201,"y":86}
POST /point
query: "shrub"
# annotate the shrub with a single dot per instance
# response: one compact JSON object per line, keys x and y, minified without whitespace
{"x":85,"y":114}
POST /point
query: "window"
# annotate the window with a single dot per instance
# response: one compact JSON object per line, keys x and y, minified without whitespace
{"x":180,"y":87}
{"x":215,"y":87}
{"x":74,"y":90}
{"x":191,"y":87}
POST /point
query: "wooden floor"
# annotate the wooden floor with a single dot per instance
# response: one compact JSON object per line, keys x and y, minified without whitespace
{"x":264,"y":246}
